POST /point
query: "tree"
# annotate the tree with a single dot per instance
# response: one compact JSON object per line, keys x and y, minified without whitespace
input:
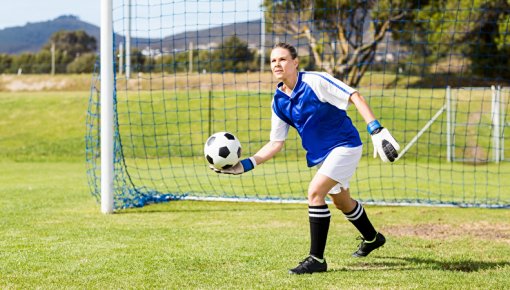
{"x":140,"y":63}
{"x":488,"y":57}
{"x":233,"y":55}
{"x":73,"y":43}
{"x":343,"y":35}
{"x":336,"y":31}
{"x":25,"y":62}
{"x":82,"y":64}
{"x":5,"y":63}
{"x":477,"y":31}
{"x":42,"y":62}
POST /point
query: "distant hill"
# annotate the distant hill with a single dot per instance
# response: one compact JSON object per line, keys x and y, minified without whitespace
{"x":33,"y":36}
{"x":246,"y":31}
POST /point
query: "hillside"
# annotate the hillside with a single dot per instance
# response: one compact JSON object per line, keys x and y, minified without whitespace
{"x":246,"y":31}
{"x":33,"y":36}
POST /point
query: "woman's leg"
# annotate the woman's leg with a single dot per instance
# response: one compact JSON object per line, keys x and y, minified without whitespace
{"x":356,"y":214}
{"x":343,"y":200}
{"x":319,"y":218}
{"x":318,"y":213}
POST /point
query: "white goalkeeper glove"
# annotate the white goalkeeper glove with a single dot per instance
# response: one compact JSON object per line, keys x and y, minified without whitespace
{"x":241,"y":167}
{"x":384,"y":144}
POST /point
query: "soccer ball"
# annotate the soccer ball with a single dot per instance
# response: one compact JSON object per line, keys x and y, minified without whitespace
{"x":222,"y":150}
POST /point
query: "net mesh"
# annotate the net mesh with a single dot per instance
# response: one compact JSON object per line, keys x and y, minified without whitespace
{"x":435,"y":75}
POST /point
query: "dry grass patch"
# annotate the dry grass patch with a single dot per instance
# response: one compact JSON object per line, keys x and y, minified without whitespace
{"x":433,"y":231}
{"x":36,"y":83}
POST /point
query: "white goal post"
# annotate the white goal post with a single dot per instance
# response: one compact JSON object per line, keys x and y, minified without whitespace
{"x":497,"y":120}
{"x":106,"y":55}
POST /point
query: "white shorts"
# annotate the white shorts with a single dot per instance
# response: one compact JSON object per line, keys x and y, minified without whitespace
{"x":340,"y":166}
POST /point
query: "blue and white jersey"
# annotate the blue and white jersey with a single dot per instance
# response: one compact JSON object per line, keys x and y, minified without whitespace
{"x":317,"y":109}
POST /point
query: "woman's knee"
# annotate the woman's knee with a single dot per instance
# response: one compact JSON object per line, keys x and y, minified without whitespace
{"x":343,"y":200}
{"x":319,"y":188}
{"x":316,"y":196}
{"x":337,"y":203}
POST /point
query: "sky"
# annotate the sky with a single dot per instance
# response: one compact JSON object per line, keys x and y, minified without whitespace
{"x":19,"y":12}
{"x":199,"y":13}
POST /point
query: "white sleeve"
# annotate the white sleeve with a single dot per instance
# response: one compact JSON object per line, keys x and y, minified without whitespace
{"x":279,"y":129}
{"x":331,"y":90}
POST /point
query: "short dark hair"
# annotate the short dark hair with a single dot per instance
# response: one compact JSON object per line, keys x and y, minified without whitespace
{"x":290,"y":48}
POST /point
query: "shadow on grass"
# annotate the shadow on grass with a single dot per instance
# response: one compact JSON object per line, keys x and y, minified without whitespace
{"x":413,"y":263}
{"x":240,"y":207}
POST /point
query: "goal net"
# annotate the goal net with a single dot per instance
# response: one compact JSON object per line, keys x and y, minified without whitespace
{"x":435,"y":75}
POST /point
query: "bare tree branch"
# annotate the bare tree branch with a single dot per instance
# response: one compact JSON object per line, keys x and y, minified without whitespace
{"x":335,"y":32}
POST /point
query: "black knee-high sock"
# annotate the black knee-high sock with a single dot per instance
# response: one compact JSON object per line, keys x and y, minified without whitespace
{"x":319,"y":217}
{"x":360,"y":220}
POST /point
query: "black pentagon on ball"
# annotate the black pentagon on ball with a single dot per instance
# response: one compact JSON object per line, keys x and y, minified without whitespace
{"x":210,"y":160}
{"x":227,"y":166}
{"x":230,"y":136}
{"x":211,"y":140}
{"x":239,"y":152}
{"x":224,"y":152}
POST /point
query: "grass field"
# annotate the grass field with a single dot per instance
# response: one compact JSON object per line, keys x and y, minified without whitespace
{"x":53,"y":236}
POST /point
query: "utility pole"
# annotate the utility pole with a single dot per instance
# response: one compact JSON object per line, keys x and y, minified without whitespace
{"x":262,"y":41}
{"x":190,"y":57}
{"x":128,"y":42}
{"x":52,"y":58}
{"x":121,"y":58}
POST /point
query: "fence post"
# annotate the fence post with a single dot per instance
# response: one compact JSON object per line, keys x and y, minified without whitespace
{"x":448,"y":124}
{"x":496,"y":126}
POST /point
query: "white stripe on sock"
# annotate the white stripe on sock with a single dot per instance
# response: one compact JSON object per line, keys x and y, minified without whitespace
{"x":318,"y":210}
{"x":325,"y":215}
{"x":356,"y":214}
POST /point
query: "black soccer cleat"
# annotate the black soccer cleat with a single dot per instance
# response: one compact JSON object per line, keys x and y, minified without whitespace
{"x":309,"y":266}
{"x":365,"y":248}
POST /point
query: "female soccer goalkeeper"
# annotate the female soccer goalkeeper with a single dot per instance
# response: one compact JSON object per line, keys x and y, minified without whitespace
{"x":315,"y":104}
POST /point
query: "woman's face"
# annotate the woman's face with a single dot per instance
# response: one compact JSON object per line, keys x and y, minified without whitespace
{"x":282,"y":64}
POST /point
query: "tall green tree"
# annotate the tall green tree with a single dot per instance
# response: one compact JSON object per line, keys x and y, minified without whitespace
{"x":42,"y":63}
{"x":233,"y":55}
{"x":24,"y":62}
{"x":5,"y":63}
{"x":82,"y":64}
{"x":343,"y":35}
{"x":475,"y":30}
{"x":73,"y":43}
